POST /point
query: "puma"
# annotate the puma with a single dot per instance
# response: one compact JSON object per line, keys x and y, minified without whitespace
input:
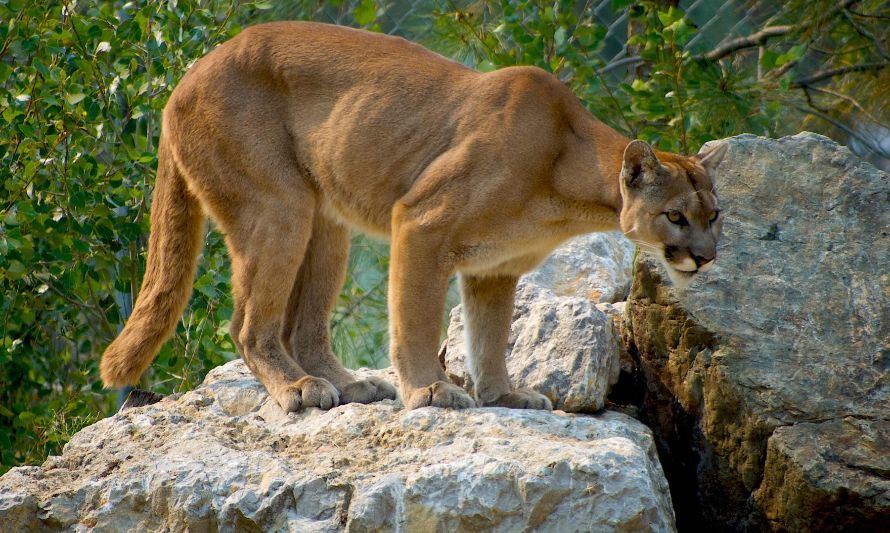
{"x":292,"y":133}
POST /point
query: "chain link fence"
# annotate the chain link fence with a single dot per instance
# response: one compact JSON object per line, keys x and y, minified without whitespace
{"x":717,"y":21}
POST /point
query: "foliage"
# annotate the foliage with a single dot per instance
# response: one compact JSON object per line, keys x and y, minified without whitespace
{"x":671,"y":103}
{"x":81,"y":89}
{"x":82,"y":85}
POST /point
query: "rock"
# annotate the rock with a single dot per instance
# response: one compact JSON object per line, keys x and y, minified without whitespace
{"x":560,"y":343}
{"x":225,"y":457}
{"x":561,"y":346}
{"x":615,"y":312}
{"x":835,"y":472}
{"x":596,"y":267}
{"x":791,"y":326}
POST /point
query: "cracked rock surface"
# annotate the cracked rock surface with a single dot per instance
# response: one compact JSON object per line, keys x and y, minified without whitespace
{"x":224,"y":457}
{"x":814,"y":468}
{"x":762,"y":364}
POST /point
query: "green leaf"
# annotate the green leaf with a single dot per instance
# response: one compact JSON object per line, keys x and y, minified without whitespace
{"x":5,"y":71}
{"x":14,"y":270}
{"x":365,"y":13}
{"x":618,"y":5}
{"x":665,"y":18}
{"x":74,"y":98}
{"x":768,"y":59}
{"x":793,"y":54}
{"x":548,"y":14}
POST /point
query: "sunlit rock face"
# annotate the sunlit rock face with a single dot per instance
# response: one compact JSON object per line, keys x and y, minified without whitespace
{"x":561,"y":346}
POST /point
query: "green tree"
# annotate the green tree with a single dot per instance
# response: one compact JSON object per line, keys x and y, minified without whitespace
{"x":82,"y":86}
{"x":81,"y":90}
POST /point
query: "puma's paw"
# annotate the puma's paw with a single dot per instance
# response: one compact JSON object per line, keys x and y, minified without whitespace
{"x":309,"y":391}
{"x":522,"y":399}
{"x":439,"y":394}
{"x":367,"y":390}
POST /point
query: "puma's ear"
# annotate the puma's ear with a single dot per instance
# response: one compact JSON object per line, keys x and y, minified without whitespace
{"x":638,"y":159}
{"x":711,"y":158}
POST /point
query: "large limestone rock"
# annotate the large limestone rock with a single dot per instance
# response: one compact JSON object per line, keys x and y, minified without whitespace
{"x":561,"y":344}
{"x":224,"y":457}
{"x":778,"y":358}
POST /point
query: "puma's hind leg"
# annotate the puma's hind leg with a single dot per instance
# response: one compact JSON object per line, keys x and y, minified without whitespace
{"x":267,"y":249}
{"x":307,"y":322}
{"x":488,"y":309}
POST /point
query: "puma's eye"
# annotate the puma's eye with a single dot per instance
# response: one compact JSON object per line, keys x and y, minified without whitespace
{"x":714,"y":216}
{"x":676,"y":218}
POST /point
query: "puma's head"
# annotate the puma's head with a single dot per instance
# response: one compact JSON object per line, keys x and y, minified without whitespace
{"x":670,"y":207}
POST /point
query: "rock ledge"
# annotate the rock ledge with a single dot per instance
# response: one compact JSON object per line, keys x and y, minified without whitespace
{"x":225,"y":457}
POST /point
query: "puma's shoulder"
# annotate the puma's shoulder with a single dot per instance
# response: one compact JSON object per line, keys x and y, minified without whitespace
{"x":532,"y":109}
{"x":527,"y":89}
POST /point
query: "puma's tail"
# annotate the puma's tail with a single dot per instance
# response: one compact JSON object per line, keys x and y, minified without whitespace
{"x":177,"y":224}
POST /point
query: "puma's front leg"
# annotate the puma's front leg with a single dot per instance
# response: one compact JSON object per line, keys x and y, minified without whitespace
{"x":418,"y":282}
{"x":488,"y":309}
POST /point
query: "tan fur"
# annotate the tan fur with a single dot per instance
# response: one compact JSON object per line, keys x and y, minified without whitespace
{"x":291,"y":132}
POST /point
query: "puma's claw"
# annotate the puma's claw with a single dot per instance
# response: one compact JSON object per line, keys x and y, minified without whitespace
{"x":309,"y":391}
{"x":439,"y":394}
{"x":372,"y":389}
{"x":522,"y":399}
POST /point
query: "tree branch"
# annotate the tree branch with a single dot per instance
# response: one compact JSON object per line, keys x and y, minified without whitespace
{"x":779,"y":72}
{"x":356,"y":303}
{"x":841,"y":126}
{"x":759,"y":38}
{"x":868,"y":15}
{"x":755,"y":39}
{"x":852,"y":101}
{"x":867,"y":34}
{"x":826,"y":74}
{"x":620,"y":63}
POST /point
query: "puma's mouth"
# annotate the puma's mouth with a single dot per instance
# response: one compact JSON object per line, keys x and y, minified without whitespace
{"x":690,"y":266}
{"x":686,"y":266}
{"x":680,"y":278}
{"x":680,"y":272}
